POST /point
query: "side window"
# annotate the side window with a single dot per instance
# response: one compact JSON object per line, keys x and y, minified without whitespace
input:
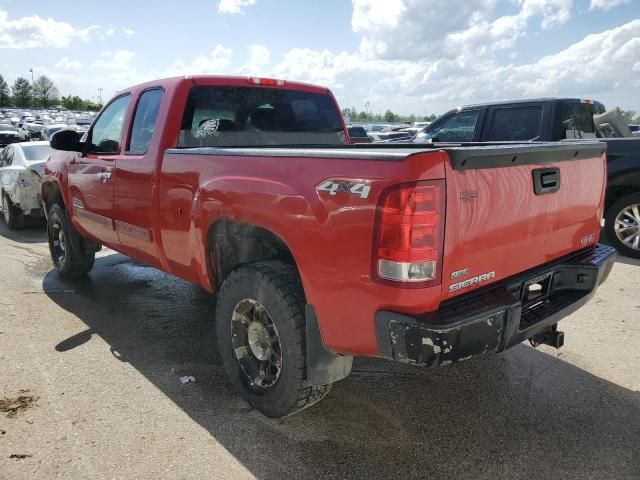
{"x":107,"y":131}
{"x":457,"y":128}
{"x":515,"y":124}
{"x":2,"y":154}
{"x":144,"y":121}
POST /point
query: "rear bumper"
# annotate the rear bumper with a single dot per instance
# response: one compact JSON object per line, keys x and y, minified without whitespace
{"x":496,"y":317}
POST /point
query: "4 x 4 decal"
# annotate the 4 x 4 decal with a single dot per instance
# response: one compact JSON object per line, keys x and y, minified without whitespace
{"x":334,"y":186}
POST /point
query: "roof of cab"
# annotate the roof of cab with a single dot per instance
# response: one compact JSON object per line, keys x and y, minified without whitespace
{"x":223,"y":80}
{"x":528,"y":100}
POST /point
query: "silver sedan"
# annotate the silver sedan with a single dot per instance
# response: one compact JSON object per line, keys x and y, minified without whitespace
{"x":21,"y":168}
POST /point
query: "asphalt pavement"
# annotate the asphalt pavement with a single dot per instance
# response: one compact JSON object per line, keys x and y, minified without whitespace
{"x":90,"y":388}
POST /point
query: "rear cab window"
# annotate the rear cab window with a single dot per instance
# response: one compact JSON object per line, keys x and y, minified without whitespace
{"x":576,"y":120}
{"x":219,"y":116}
{"x":515,"y":124}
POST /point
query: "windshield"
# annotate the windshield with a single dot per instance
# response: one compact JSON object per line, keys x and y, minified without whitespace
{"x":36,"y":152}
{"x":258,"y":116}
{"x":4,"y":126}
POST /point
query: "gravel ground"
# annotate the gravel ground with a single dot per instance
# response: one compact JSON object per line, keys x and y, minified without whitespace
{"x":90,"y":388}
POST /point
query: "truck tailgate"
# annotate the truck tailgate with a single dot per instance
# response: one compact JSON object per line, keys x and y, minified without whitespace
{"x":510,"y":209}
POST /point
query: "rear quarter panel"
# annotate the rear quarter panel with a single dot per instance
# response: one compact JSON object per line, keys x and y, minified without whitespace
{"x":330,"y":236}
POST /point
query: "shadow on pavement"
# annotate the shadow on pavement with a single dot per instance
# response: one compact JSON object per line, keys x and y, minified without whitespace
{"x":521,"y":414}
{"x":628,"y":260}
{"x":34,"y":232}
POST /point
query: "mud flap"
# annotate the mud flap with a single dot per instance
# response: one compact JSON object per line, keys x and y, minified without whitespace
{"x":323,"y":366}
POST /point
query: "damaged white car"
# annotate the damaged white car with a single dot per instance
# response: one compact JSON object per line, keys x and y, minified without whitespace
{"x":21,"y":167}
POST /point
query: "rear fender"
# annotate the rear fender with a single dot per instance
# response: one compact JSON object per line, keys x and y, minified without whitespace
{"x":276,"y":207}
{"x":264,"y":203}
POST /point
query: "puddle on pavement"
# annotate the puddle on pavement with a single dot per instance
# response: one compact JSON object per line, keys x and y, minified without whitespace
{"x":40,"y":267}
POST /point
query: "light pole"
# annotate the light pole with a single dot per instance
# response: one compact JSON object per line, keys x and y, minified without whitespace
{"x":100,"y":95}
{"x":33,"y":89}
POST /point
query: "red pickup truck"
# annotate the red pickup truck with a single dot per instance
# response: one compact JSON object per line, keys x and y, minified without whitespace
{"x":320,"y":250}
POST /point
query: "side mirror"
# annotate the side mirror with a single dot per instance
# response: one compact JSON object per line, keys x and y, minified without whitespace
{"x":67,"y":140}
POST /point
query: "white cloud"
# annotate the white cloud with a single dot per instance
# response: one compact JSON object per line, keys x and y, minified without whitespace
{"x":116,"y":61}
{"x":65,"y":64}
{"x":259,"y":55}
{"x":234,"y":7}
{"x":214,"y":63}
{"x":129,"y":31}
{"x":35,"y":31}
{"x":606,"y":4}
{"x":432,"y":29}
{"x":608,"y":56}
{"x":594,"y":66}
{"x":553,"y":12}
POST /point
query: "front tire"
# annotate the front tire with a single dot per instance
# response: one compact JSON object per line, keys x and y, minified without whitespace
{"x":12,"y":214}
{"x":68,"y":262}
{"x":622,"y":225}
{"x":261,"y":331}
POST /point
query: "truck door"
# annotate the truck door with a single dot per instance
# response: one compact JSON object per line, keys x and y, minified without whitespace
{"x":133,"y":198}
{"x":91,"y":175}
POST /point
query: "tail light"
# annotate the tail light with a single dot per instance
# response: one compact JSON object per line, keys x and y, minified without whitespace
{"x":267,"y":82}
{"x":409,"y":233}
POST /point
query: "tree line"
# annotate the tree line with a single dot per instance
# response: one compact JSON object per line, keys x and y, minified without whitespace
{"x":42,"y":94}
{"x":354,"y":116}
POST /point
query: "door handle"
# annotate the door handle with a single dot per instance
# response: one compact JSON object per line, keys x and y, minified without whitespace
{"x":546,"y":180}
{"x":104,"y":175}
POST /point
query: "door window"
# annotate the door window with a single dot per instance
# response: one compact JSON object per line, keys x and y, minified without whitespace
{"x":459,"y":127}
{"x":516,"y":124}
{"x":107,"y":131}
{"x":144,"y":121}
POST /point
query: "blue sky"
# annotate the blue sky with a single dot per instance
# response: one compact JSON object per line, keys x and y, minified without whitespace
{"x":413,"y":56}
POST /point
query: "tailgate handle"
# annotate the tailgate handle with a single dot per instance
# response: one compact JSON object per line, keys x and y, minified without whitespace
{"x":546,"y":180}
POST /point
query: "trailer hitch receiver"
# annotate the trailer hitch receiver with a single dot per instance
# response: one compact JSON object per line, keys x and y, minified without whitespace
{"x":550,"y":336}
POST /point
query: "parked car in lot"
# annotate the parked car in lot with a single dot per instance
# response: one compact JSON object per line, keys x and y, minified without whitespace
{"x":21,"y":168}
{"x":557,"y":119}
{"x":635,"y":130}
{"x":358,"y":134}
{"x":421,"y":254}
{"x":8,"y":134}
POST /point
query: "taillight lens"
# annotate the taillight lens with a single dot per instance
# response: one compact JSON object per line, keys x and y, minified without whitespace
{"x":409,"y":234}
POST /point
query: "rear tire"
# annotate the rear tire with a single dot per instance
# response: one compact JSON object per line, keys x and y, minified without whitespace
{"x":261,"y":331}
{"x":68,"y":262}
{"x":622,"y":225}
{"x":13,"y":216}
